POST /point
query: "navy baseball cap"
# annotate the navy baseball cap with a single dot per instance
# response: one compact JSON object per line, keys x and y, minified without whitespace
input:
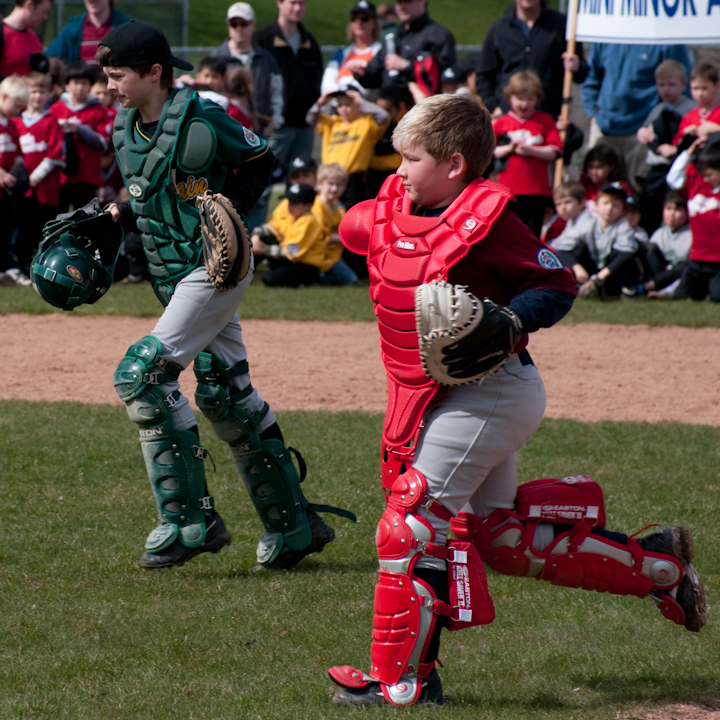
{"x":301,"y":193}
{"x":140,"y":43}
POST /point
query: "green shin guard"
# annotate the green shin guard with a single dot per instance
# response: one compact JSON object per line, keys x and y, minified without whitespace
{"x":173,"y":458}
{"x":266,"y":467}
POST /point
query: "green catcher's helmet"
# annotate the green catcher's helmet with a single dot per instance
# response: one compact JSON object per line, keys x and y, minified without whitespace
{"x":76,"y":259}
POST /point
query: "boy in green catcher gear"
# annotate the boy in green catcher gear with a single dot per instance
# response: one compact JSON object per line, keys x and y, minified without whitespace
{"x":172,"y":148}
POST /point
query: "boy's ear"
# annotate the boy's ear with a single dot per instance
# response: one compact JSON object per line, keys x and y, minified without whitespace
{"x":458,"y":166}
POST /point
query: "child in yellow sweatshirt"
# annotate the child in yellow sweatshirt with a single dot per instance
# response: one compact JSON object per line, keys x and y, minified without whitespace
{"x":293,"y":242}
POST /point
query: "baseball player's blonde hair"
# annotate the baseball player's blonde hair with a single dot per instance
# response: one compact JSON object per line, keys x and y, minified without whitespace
{"x":443,"y":125}
{"x":15,"y":88}
{"x":332,"y":172}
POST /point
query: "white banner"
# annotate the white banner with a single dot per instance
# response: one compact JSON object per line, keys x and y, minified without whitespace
{"x":649,"y":22}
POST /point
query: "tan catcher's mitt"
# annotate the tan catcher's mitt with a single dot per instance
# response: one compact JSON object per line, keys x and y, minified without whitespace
{"x":462,"y":339}
{"x":226,"y":246}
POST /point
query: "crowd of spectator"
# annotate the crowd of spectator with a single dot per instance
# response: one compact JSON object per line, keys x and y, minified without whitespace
{"x":638,"y":213}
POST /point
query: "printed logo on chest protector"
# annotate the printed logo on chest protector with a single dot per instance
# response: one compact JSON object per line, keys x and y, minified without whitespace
{"x":405,"y":245}
{"x":135,"y":190}
{"x":191,"y":187}
{"x":548,"y":259}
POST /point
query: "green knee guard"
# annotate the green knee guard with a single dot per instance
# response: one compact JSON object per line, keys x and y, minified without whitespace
{"x":174,"y":458}
{"x":266,"y":467}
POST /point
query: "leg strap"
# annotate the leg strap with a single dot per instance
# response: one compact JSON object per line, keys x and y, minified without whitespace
{"x":173,"y":458}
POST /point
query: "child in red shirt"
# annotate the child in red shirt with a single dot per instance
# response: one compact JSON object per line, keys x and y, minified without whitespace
{"x":111,"y":179}
{"x":701,"y":276}
{"x":238,"y":91}
{"x":13,"y":99}
{"x":41,"y":142}
{"x":534,"y":143}
{"x":705,"y":118}
{"x":82,"y":114}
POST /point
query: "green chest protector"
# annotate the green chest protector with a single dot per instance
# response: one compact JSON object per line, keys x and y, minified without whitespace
{"x":168,"y":225}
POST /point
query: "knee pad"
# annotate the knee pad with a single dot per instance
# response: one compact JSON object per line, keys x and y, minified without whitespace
{"x":173,"y":458}
{"x":406,"y":607}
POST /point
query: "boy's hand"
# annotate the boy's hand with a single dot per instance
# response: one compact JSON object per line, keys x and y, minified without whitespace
{"x":698,"y":145}
{"x":356,"y":66}
{"x":645,"y":135}
{"x":580,"y":273}
{"x":324,"y":99}
{"x":561,"y":124}
{"x":706,"y":127}
{"x":667,"y":150}
{"x":187,"y":80}
{"x":115,"y":212}
{"x":355,"y":96}
{"x":571,"y":62}
{"x":690,"y":130}
{"x":7,"y":180}
{"x":32,"y":182}
{"x":258,"y":246}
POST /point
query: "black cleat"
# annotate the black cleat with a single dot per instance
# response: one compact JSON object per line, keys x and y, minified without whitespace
{"x":690,"y":593}
{"x":430,"y":694}
{"x":322,"y":534}
{"x":216,"y":538}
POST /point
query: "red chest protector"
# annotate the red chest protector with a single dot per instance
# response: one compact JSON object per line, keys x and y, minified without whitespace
{"x":405,"y":251}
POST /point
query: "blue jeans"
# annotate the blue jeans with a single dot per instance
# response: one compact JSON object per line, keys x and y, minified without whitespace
{"x":339,"y":274}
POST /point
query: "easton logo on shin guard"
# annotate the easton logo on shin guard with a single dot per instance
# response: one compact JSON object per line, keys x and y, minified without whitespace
{"x":469,"y":597}
{"x":563,"y":501}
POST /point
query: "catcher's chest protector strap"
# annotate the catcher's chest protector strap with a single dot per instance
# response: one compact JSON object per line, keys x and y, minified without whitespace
{"x":575,"y":558}
{"x":168,"y":227}
{"x":405,"y":606}
{"x":406,"y":251}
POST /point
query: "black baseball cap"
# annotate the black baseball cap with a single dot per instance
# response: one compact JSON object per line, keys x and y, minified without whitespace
{"x":303,"y":163}
{"x":140,"y":43}
{"x":365,"y":7}
{"x":301,"y":193}
{"x":615,"y":189}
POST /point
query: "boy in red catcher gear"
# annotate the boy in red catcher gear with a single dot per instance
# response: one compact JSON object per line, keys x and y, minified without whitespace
{"x":438,"y":238}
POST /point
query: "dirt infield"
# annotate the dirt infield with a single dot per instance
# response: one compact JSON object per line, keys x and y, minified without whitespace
{"x":591,"y":371}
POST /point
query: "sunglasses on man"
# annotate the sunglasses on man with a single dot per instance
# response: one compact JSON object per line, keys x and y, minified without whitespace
{"x":238,"y":24}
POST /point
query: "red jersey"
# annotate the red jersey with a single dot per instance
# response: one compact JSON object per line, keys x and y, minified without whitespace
{"x":704,"y":212}
{"x":91,"y":37}
{"x":552,"y":228}
{"x":94,"y":117}
{"x":9,"y":145}
{"x":695,"y":117}
{"x":528,"y":175}
{"x":41,"y":139}
{"x":19,"y":45}
{"x":237,"y":111}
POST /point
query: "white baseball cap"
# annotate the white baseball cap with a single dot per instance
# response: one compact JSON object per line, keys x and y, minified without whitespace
{"x":241,"y":10}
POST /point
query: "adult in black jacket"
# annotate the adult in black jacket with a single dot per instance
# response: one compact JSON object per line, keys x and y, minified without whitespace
{"x":301,"y":64}
{"x":416,"y":35}
{"x":527,"y":36}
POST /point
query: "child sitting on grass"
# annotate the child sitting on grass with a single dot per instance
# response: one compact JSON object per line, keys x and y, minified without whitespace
{"x":601,"y":251}
{"x":668,"y":249}
{"x":569,"y":199}
{"x":294,"y":243}
{"x":332,"y":180}
{"x":534,"y":143}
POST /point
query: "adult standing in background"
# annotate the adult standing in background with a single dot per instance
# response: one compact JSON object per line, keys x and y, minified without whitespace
{"x":20,"y":41}
{"x":529,"y":36}
{"x":81,"y":36}
{"x":300,"y":60}
{"x":415,"y":36}
{"x":363,"y":32}
{"x":239,"y":49}
{"x":620,"y":91}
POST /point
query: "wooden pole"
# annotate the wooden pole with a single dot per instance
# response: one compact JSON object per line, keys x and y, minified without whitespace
{"x":567,"y":85}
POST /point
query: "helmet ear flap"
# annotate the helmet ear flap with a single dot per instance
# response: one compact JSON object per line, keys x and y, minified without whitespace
{"x":76,"y":260}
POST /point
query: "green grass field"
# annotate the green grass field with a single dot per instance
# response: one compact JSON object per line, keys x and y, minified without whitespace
{"x":88,"y":634}
{"x":353,"y":304}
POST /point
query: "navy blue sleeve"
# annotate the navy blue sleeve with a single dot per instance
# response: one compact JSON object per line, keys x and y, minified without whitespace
{"x":541,"y":308}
